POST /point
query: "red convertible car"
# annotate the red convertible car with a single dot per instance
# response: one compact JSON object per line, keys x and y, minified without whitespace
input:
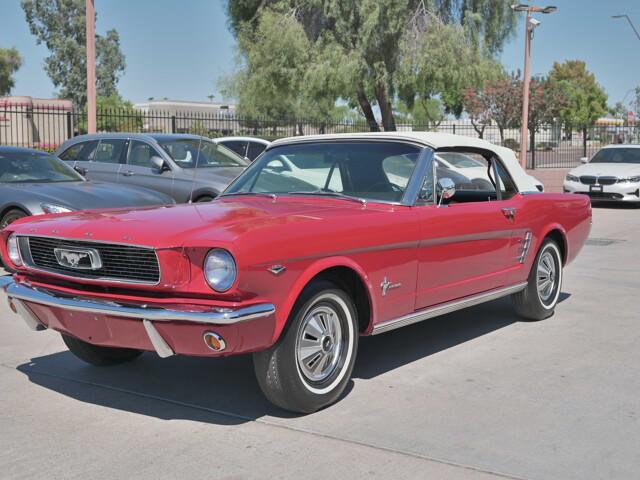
{"x":322,"y":239}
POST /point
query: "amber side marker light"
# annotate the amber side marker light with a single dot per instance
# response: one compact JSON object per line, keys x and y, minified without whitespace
{"x":214,"y":341}
{"x":12,"y":306}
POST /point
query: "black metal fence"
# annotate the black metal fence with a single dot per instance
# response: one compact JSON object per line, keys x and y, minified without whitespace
{"x":48,"y":127}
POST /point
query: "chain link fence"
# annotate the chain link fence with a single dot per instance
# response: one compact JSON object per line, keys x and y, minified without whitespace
{"x":47,"y":127}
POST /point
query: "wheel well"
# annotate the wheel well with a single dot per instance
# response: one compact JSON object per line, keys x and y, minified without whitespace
{"x":13,"y":207}
{"x":352,"y":283}
{"x":557,"y":236}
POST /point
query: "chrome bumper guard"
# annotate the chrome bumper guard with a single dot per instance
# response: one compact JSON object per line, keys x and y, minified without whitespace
{"x":18,"y":292}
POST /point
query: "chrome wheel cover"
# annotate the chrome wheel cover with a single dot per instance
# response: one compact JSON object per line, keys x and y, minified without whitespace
{"x":319,"y":344}
{"x":547,"y":277}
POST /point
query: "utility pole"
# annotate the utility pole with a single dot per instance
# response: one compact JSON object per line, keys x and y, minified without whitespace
{"x":90,"y":20}
{"x":530,"y":24}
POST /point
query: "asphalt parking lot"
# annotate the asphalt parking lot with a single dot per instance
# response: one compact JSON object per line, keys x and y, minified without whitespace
{"x":475,"y":394}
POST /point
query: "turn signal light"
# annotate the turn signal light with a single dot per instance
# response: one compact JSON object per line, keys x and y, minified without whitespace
{"x":214,"y":341}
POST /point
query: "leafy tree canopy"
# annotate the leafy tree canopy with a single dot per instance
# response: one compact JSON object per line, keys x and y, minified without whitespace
{"x":60,"y":25}
{"x":587,"y":101}
{"x":367,"y":52}
{"x":10,"y":62}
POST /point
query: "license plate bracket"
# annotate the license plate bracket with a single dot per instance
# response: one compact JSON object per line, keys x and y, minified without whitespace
{"x":595,"y":188}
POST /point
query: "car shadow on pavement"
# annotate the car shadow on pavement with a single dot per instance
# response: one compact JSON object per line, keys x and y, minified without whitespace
{"x":224,"y":390}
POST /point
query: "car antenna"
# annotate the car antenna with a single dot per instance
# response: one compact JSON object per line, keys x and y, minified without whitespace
{"x":195,"y":170}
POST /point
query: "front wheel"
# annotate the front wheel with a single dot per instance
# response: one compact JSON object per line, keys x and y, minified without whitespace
{"x":538,"y":300}
{"x":97,"y":355}
{"x":311,"y":364}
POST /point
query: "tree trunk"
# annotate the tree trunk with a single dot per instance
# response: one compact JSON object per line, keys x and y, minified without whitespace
{"x":367,"y":111}
{"x":584,"y":141}
{"x":476,"y":127}
{"x":388,"y":122}
{"x":501,"y":130}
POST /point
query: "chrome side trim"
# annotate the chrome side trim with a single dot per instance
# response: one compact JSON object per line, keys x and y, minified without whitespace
{"x":444,"y":308}
{"x":162,"y":347}
{"x":526,"y":244}
{"x":213,"y":316}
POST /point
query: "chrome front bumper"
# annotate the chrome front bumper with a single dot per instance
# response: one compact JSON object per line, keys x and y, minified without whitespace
{"x":17,"y":292}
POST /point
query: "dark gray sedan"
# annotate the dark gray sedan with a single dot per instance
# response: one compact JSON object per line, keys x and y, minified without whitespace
{"x":186,"y":167}
{"x":34,"y":182}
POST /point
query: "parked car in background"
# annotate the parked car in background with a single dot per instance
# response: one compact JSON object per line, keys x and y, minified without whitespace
{"x":612,"y":175}
{"x":472,"y":168}
{"x":33,"y":182}
{"x":293,"y":269}
{"x":246,"y":147}
{"x":185,"y":167}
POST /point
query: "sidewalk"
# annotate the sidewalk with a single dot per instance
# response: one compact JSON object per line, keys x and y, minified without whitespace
{"x":551,"y":178}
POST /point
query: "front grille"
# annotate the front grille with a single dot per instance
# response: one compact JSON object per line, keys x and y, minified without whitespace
{"x":591,"y":180}
{"x":122,"y":263}
{"x":611,"y":196}
{"x":588,"y":179}
{"x":607,"y":180}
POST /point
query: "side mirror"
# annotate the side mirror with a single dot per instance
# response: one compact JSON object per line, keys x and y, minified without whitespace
{"x":447,"y":189}
{"x":158,"y":163}
{"x":584,"y":160}
{"x":81,"y":170}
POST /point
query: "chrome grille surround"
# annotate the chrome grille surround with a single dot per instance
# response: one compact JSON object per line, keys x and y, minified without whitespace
{"x":593,"y":180}
{"x":121,"y":263}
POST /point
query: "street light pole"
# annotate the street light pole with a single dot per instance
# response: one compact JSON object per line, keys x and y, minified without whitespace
{"x":90,"y":21}
{"x":530,"y":24}
{"x":524,"y":128}
{"x":630,"y":23}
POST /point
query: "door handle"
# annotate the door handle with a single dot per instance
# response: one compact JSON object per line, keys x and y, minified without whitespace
{"x":509,"y":213}
{"x":128,"y":173}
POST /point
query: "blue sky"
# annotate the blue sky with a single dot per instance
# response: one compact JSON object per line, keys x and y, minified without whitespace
{"x":179,"y":48}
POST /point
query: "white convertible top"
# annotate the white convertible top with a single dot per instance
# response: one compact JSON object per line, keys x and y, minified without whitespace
{"x":435,"y":140}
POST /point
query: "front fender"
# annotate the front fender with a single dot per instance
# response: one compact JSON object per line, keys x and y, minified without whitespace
{"x":310,"y":272}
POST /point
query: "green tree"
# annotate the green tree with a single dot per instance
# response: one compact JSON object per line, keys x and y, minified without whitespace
{"x":60,"y":26}
{"x":547,"y":100}
{"x":10,"y":62}
{"x":362,"y":39}
{"x":618,"y":110}
{"x":587,"y":101}
{"x":113,"y":114}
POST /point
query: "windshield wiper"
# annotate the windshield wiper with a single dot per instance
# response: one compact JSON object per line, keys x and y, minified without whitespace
{"x":325,"y":193}
{"x":272,"y":196}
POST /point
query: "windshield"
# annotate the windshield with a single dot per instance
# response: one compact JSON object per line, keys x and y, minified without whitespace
{"x":617,"y":155}
{"x":185,"y":151}
{"x":31,"y":167}
{"x":460,"y":160}
{"x":366,"y":170}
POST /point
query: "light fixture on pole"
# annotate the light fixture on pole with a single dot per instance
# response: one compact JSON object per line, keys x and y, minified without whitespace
{"x":530,"y":25}
{"x":630,"y":23}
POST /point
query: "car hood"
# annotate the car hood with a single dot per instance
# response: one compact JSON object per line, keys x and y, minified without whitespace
{"x":221,"y":220}
{"x":86,"y":195}
{"x":608,"y":169}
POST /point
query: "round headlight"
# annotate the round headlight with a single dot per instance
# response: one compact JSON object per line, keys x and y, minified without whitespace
{"x":13,"y":250}
{"x":220,"y":270}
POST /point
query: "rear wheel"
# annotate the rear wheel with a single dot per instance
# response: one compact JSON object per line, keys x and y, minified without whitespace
{"x":311,"y":364}
{"x":538,"y":300}
{"x":97,"y":355}
{"x":204,"y":199}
